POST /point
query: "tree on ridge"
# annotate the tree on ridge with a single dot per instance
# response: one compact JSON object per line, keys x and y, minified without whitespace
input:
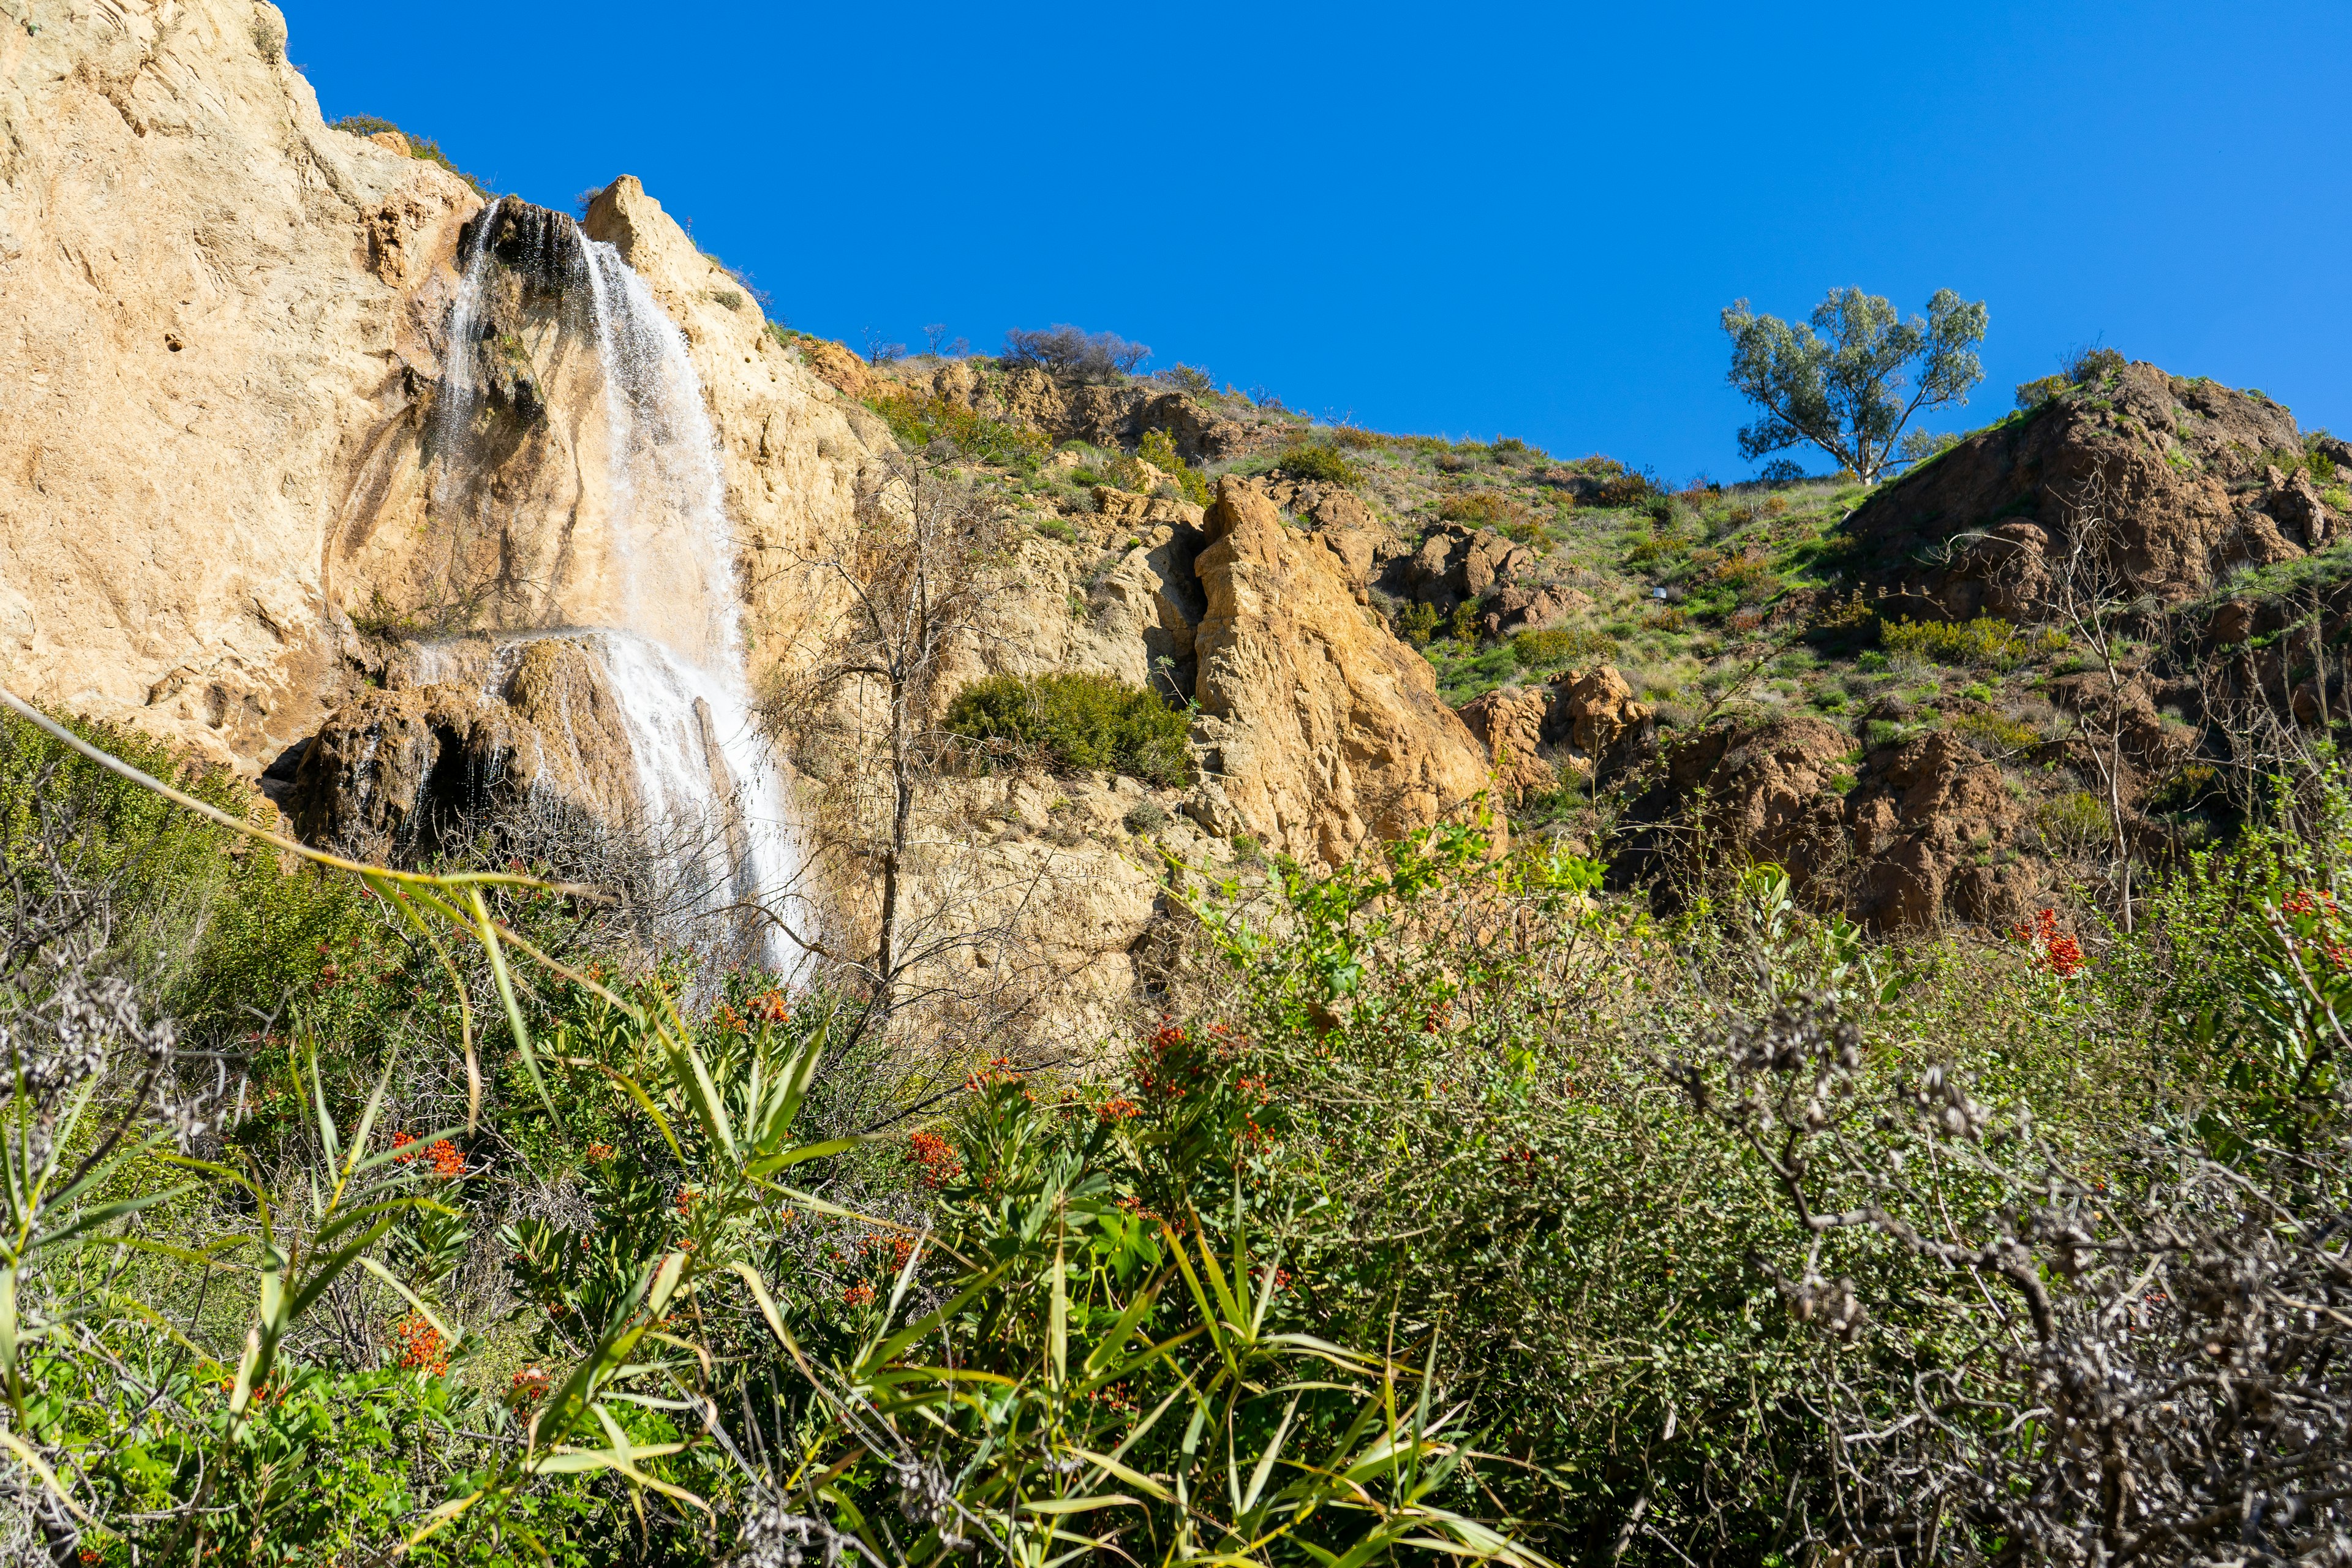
{"x":1851,"y":380}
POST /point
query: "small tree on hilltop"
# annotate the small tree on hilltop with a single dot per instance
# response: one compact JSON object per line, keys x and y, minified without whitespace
{"x":1849,"y":381}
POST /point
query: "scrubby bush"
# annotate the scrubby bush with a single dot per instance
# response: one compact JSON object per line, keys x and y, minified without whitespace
{"x":919,"y":419}
{"x":1075,"y":724}
{"x":2074,"y":821}
{"x":1984,"y":641}
{"x":1319,"y":460}
{"x":1995,"y":735}
{"x":1558,"y":648}
{"x":1623,"y":490}
{"x":1159,"y":451}
{"x":1064,"y":350}
{"x":1486,"y":508}
{"x":1418,"y":624}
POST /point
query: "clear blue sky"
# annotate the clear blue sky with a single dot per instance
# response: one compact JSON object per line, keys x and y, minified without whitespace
{"x":1473,"y":219}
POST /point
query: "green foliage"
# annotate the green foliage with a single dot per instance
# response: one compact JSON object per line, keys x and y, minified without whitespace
{"x":1849,"y":382}
{"x":1462,"y":624}
{"x":1995,"y":735}
{"x":1404,"y":1240}
{"x":919,"y":420}
{"x":2074,"y":822}
{"x":1076,"y":722}
{"x":1418,"y":624}
{"x":1159,"y":451}
{"x":222,"y":932}
{"x":1319,"y":460}
{"x":1058,"y":529}
{"x":1984,"y":641}
{"x":1560,"y":648}
{"x":1486,"y":508}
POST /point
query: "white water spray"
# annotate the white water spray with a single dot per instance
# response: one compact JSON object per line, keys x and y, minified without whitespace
{"x":705,"y":773}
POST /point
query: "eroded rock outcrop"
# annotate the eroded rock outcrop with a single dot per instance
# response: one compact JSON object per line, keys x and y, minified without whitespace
{"x":212,"y":299}
{"x":1916,"y":833}
{"x":2187,"y":472}
{"x":1510,"y":723}
{"x":1320,"y":727}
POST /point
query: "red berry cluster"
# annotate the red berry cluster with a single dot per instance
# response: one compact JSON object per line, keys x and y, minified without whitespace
{"x":420,"y":1345}
{"x":935,"y":1160}
{"x":2061,"y":953}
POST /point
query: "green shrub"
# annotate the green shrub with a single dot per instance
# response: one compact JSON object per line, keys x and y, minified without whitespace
{"x":1056,"y":528}
{"x":1982,"y":641}
{"x":1319,"y":460}
{"x":917,"y":420}
{"x":2074,"y":821}
{"x":1159,"y":451}
{"x":1623,"y":490}
{"x":1484,"y":508}
{"x":1078,"y":723}
{"x":1997,"y":736}
{"x":1418,"y":624}
{"x":1462,"y":624}
{"x":1556,"y":649}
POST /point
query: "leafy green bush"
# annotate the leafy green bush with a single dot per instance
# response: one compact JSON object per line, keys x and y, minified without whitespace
{"x":1560,"y":648}
{"x":1078,"y":722}
{"x":1983,"y":641}
{"x":1319,"y":460}
{"x":1159,"y":451}
{"x":1995,"y":735}
{"x":919,"y":419}
{"x":1418,"y":624}
{"x":2076,"y":820}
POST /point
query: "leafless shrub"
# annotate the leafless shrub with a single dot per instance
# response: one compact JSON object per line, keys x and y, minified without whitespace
{"x":2136,"y":1361}
{"x":1064,"y":350}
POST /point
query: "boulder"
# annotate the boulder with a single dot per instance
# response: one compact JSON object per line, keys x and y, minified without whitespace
{"x":1510,"y":723}
{"x":1323,"y":728}
{"x":1598,"y":716}
{"x":1517,"y":608}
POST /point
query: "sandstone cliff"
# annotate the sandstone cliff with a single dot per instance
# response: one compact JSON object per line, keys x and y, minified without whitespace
{"x":1321,"y":728}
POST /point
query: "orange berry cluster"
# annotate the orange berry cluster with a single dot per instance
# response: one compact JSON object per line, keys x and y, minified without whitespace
{"x":420,"y":1345}
{"x":2061,"y":953}
{"x":937,"y":1162}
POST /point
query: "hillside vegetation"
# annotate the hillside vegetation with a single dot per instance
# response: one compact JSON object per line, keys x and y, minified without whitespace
{"x":1634,"y":1166}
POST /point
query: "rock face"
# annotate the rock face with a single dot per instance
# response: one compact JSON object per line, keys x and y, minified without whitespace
{"x":263,"y":495}
{"x":1103,"y":415}
{"x":1320,"y":728}
{"x":2197,"y":478}
{"x":1597,"y":714}
{"x":1913,"y":836}
{"x":212,"y":300}
{"x":1510,"y":724}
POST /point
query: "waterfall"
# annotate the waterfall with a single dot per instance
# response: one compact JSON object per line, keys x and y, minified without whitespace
{"x":670,"y":645}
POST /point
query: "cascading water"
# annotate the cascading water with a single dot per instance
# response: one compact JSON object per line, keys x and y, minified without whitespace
{"x":670,"y":646}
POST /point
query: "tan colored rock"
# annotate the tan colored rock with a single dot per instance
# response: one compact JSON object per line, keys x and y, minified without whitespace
{"x":1599,"y":714}
{"x":1326,"y":728}
{"x":838,"y":363}
{"x":210,"y":300}
{"x":1509,"y":723}
{"x":1519,"y":608}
